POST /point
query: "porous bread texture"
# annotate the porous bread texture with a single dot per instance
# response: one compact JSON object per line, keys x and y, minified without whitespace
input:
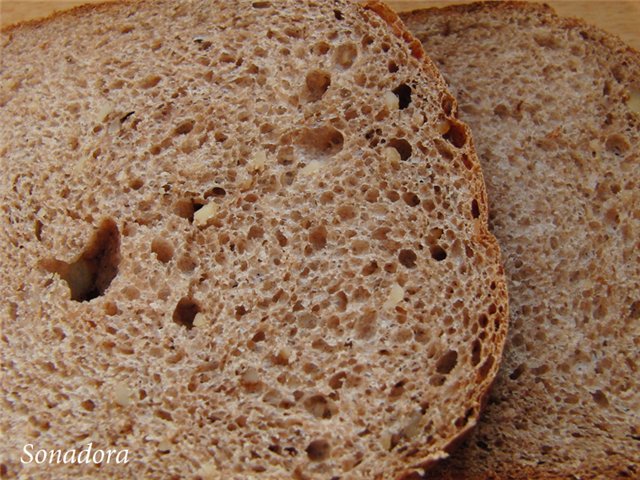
{"x":554,"y":106}
{"x":240,"y":240}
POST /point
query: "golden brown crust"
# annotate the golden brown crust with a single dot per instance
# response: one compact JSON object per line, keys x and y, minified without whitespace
{"x":397,"y":26}
{"x":75,"y":11}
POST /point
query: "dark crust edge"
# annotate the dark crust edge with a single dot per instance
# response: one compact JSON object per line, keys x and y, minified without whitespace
{"x":65,"y":13}
{"x":396,"y":24}
{"x":592,"y":34}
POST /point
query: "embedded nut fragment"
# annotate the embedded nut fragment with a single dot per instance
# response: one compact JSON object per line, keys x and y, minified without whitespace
{"x":250,"y":376}
{"x":634,"y":101}
{"x":395,"y":296}
{"x":312,"y":167}
{"x":413,"y":425}
{"x":391,"y":101}
{"x":114,"y":126}
{"x":257,"y":162}
{"x":208,"y":471}
{"x":206,"y":213}
{"x":385,"y":440}
{"x":246,"y":184}
{"x":392,"y":155}
{"x":164,"y":445}
{"x":417,"y":119}
{"x":122,"y":394}
{"x":104,"y":110}
{"x":199,"y":320}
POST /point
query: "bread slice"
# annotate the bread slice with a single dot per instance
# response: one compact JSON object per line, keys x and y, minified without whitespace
{"x":241,"y":240}
{"x":554,"y":106}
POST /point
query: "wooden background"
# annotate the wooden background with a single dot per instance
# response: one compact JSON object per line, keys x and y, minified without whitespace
{"x":619,"y":17}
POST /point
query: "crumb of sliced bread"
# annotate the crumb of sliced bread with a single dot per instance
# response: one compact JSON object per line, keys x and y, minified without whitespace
{"x":228,"y":250}
{"x":553,"y":107}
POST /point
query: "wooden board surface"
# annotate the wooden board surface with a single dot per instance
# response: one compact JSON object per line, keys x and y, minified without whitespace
{"x":621,"y":18}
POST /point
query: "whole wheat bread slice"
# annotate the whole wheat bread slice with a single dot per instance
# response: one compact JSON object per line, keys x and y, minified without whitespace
{"x":554,"y":108}
{"x":240,"y":240}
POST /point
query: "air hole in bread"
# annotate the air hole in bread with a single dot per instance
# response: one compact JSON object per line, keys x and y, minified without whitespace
{"x":90,"y":275}
{"x":392,"y":195}
{"x":600,"y":398}
{"x":438,"y":253}
{"x":186,"y":263}
{"x":483,"y":445}
{"x":476,"y":352}
{"x":617,"y":144}
{"x":37,"y":230}
{"x":519,"y":370}
{"x":366,"y":325}
{"x":150,"y":81}
{"x":185,"y":312}
{"x":447,"y":362}
{"x":345,"y":55}
{"x":338,"y":14}
{"x":255,"y":231}
{"x":318,"y":450}
{"x":370,"y":268}
{"x":285,"y":156}
{"x":318,"y":237}
{"x":402,"y":146}
{"x":337,"y":380}
{"x":136,"y":183}
{"x":110,"y":308}
{"x":218,"y":192}
{"x":317,"y":83}
{"x":307,"y":320}
{"x":341,"y":301}
{"x":321,"y":48}
{"x":456,"y":135}
{"x":393,"y":67}
{"x":475,"y":209}
{"x":320,"y":407}
{"x":484,"y":369}
{"x":163,"y":249}
{"x":398,"y":388}
{"x":186,"y":208}
{"x":437,"y":380}
{"x":411,"y":199}
{"x":261,"y":4}
{"x":407,"y":258}
{"x":320,"y":143}
{"x":240,"y":311}
{"x":293,"y":32}
{"x":403,"y":92}
{"x":184,"y":127}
